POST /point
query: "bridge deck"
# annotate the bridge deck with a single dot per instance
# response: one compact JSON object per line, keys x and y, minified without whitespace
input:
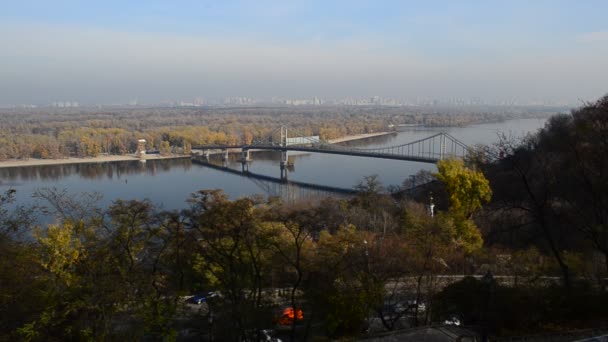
{"x":353,"y":152}
{"x":426,"y":150}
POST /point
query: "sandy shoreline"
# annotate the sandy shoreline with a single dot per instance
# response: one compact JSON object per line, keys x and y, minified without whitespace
{"x":358,"y":137}
{"x":105,"y":159}
{"x":100,"y":159}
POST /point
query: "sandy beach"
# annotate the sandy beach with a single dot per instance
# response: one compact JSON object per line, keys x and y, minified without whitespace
{"x":106,"y":158}
{"x":358,"y":137}
{"x":100,"y":159}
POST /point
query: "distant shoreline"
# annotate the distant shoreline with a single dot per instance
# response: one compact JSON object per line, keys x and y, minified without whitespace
{"x":115,"y":158}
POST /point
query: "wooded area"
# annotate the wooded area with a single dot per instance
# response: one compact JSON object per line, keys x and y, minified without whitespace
{"x":533,"y":213}
{"x":55,"y":133}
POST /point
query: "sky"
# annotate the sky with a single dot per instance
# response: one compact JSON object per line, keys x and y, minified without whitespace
{"x":114,"y":51}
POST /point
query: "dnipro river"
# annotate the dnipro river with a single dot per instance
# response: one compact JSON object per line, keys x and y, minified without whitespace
{"x":169,"y":182}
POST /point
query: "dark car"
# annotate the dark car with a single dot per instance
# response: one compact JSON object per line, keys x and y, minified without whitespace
{"x":201,"y":298}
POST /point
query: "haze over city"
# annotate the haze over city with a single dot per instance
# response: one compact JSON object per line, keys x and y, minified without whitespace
{"x":113,"y":51}
{"x":290,"y":170}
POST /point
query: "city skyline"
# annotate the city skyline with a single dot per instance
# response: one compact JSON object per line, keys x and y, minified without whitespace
{"x":110,"y":52}
{"x":244,"y":101}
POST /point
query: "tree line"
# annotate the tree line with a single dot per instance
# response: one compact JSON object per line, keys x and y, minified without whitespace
{"x":531,"y":213}
{"x":119,"y":273}
{"x":90,"y":132}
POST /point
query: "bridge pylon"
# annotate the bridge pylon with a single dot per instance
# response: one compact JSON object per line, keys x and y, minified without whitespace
{"x":245,"y":159}
{"x":284,"y":153}
{"x":442,"y":146}
{"x":245,"y":156}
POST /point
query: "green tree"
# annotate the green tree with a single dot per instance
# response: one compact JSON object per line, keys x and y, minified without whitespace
{"x":429,"y":242}
{"x":293,"y":244}
{"x":340,"y":289}
{"x":137,"y":241}
{"x":234,"y":256}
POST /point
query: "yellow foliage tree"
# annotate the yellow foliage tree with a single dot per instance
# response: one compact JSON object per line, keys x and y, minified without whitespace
{"x":468,"y":190}
{"x":61,"y":251}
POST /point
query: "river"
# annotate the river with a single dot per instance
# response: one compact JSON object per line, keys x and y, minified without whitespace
{"x":169,"y":182}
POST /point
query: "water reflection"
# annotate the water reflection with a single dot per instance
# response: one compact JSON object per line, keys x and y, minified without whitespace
{"x":288,"y":191}
{"x":91,"y":171}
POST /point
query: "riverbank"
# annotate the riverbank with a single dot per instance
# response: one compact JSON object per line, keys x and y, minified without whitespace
{"x":105,"y":159}
{"x":99,"y":159}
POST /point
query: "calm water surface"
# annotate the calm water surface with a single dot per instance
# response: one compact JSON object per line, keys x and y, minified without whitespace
{"x":170,"y":182}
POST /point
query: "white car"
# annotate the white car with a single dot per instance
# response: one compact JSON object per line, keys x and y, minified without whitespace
{"x":452,"y":320}
{"x":411,"y":304}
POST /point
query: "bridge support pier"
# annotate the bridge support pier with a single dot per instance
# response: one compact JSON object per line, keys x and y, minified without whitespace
{"x":284,"y":164}
{"x":245,"y":159}
{"x":284,"y":158}
{"x":225,"y":157}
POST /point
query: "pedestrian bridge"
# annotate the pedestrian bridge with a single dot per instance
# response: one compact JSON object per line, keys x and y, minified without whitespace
{"x":428,"y":150}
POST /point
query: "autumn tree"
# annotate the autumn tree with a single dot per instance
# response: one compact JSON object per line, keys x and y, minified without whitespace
{"x":165,"y":148}
{"x":60,"y":253}
{"x":467,"y":191}
{"x":233,"y":256}
{"x":292,"y":240}
{"x":339,"y":289}
{"x":137,"y":250}
{"x":429,"y":243}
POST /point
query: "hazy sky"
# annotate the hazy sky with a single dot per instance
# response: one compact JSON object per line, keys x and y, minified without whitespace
{"x":113,"y":51}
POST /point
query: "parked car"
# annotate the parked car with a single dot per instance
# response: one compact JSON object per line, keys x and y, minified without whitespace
{"x":399,"y":308}
{"x":452,"y":320}
{"x":201,"y":298}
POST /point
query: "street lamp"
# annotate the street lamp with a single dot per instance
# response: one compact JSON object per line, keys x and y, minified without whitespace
{"x":366,"y":256}
{"x":431,"y":204}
